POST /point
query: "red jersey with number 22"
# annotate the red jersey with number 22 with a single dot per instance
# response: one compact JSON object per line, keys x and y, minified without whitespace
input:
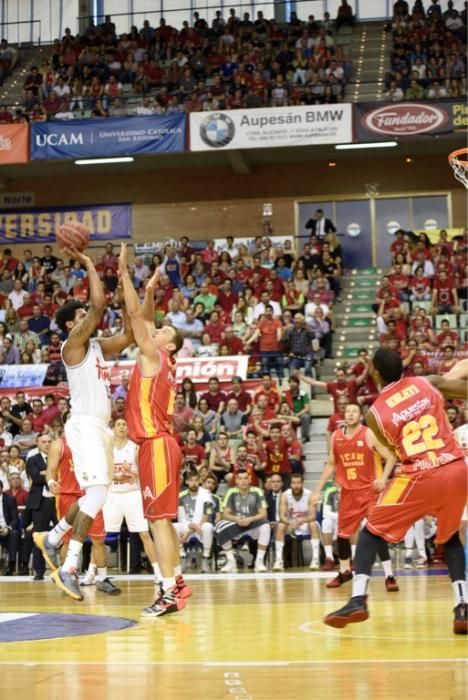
{"x":150,"y":401}
{"x":410,"y":414}
{"x":357,"y":464}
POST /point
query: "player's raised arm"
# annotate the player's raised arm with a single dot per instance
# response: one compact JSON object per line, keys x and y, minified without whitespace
{"x":76,"y":345}
{"x":140,"y":326}
{"x":458,"y":371}
{"x":450,"y":388}
{"x":113,"y":346}
{"x":148,"y":301}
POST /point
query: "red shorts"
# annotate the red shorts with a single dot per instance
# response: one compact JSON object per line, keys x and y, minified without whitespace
{"x":64,"y":502}
{"x":355,"y":505}
{"x":441,"y":492}
{"x":159,"y":463}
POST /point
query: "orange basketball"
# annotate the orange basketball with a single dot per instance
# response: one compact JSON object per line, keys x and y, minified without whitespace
{"x":72,"y":235}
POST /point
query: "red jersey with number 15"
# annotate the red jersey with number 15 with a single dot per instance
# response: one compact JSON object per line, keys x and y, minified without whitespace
{"x":410,"y":414}
{"x":149,"y":406}
{"x":357,"y":464}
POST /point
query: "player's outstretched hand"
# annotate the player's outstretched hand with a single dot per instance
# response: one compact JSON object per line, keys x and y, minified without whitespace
{"x":85,"y":260}
{"x":123,"y":264}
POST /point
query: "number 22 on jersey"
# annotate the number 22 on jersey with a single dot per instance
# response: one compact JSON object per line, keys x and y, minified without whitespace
{"x":420,"y":436}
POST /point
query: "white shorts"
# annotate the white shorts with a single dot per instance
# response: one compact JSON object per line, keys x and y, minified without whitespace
{"x":329,"y":521}
{"x":302,"y":530}
{"x":91,"y":442}
{"x":128,"y":505}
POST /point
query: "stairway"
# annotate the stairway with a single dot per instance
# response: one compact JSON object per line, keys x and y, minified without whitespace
{"x":11,"y":90}
{"x":370,"y":63}
{"x":355,"y":329}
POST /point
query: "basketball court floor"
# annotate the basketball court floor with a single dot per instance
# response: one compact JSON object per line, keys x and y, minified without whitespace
{"x":246,"y":636}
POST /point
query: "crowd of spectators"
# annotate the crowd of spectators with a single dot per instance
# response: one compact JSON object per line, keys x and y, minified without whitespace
{"x":228,"y":63}
{"x":428,"y":57}
{"x":268,"y":302}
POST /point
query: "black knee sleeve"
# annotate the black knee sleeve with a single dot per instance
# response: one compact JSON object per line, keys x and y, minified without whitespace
{"x":367,"y":547}
{"x":455,"y":558}
{"x":382,"y":550}
{"x":344,"y":548}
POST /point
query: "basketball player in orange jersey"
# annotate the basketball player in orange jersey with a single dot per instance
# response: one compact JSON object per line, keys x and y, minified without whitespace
{"x":62,"y":482}
{"x":408,"y":416}
{"x":149,"y":415}
{"x":87,"y":431}
{"x":355,"y":456}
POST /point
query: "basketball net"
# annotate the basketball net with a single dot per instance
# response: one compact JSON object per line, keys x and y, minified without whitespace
{"x":459,"y":162}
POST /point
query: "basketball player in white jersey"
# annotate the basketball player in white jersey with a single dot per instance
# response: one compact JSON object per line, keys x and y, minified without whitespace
{"x":124,"y":498}
{"x":297,"y":517}
{"x":87,"y":431}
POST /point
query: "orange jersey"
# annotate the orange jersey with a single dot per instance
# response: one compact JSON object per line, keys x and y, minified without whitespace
{"x":410,"y":414}
{"x":66,"y":473}
{"x":150,"y":401}
{"x":357,"y":464}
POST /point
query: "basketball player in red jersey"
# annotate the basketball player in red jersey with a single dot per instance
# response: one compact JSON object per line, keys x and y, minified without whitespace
{"x":355,"y":456}
{"x":408,"y":416}
{"x":63,"y":484}
{"x":149,"y":415}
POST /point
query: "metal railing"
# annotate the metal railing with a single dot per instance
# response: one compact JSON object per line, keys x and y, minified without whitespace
{"x":33,"y":39}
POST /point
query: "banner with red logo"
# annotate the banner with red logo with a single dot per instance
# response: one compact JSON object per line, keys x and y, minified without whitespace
{"x":14,"y":140}
{"x":199,"y":369}
{"x":375,"y":121}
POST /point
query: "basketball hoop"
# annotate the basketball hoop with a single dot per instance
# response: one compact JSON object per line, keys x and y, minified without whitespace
{"x":459,"y":162}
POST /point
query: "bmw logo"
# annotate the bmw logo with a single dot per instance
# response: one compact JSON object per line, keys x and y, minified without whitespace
{"x":217,"y":130}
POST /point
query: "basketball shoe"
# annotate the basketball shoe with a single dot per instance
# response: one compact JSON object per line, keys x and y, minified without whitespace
{"x":340,"y":579}
{"x":166,"y":603}
{"x":355,"y":610}
{"x":460,"y":620}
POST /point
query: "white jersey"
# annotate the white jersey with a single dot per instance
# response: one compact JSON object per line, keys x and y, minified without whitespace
{"x":297,"y":507}
{"x":461,"y":436}
{"x":89,"y":384}
{"x":125,"y":455}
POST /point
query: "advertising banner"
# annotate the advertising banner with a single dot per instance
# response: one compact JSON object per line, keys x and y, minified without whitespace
{"x":102,"y":138}
{"x":14,"y":144}
{"x":377,"y":122}
{"x":199,"y":369}
{"x":104,"y":221}
{"x":271,"y":127}
{"x":19,"y":376}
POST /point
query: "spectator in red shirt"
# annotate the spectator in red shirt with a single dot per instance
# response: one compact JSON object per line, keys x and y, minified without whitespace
{"x":119,"y":408}
{"x":16,"y":489}
{"x":215,"y":327}
{"x":193,"y":453}
{"x":447,"y":336}
{"x":277,"y":461}
{"x":183,"y":415}
{"x":243,"y":398}
{"x":294,"y":448}
{"x":341,"y":387}
{"x":43,"y":415}
{"x":246,"y":461}
{"x":233,"y":342}
{"x":271,"y":392}
{"x":337,"y":419}
{"x":269,"y":332}
{"x":449,"y":359}
{"x":444,"y":295}
{"x":368,"y":390}
{"x":226,"y":297}
{"x":215,"y":398}
{"x":398,"y":245}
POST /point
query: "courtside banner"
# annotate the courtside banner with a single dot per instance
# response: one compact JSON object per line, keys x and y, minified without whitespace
{"x":104,"y":221}
{"x":102,"y":138}
{"x":199,"y":370}
{"x":269,"y":127}
{"x":375,"y":121}
{"x":14,"y":142}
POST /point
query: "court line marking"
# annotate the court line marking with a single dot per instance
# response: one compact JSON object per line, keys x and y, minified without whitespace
{"x":247,"y":576}
{"x":305,"y":628}
{"x":221,"y":664}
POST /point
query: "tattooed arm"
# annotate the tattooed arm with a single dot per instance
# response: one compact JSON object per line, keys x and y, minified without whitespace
{"x":76,"y":346}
